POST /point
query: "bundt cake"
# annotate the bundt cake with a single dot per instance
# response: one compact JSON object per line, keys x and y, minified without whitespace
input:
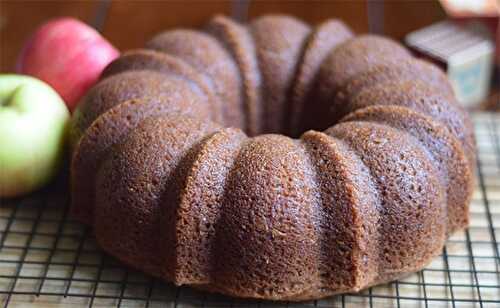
{"x":179,"y":167}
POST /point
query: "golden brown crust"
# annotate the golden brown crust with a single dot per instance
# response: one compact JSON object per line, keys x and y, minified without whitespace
{"x":267,"y":243}
{"x":349,"y":216}
{"x":404,"y":70}
{"x":126,"y":86}
{"x":209,"y":58}
{"x":112,"y":128}
{"x":279,"y":42}
{"x":412,"y":223}
{"x":134,"y":213}
{"x":444,"y":148}
{"x":238,"y":40}
{"x":371,"y":199}
{"x":347,"y":60}
{"x":421,"y":98}
{"x":145,"y":59}
{"x":200,"y":206}
{"x":324,"y":38}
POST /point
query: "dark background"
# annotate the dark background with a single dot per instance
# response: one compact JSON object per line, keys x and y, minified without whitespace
{"x":129,"y":23}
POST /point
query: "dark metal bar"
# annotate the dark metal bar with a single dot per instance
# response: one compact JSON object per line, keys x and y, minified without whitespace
{"x":60,"y":227}
{"x":473,"y":264}
{"x":25,"y":251}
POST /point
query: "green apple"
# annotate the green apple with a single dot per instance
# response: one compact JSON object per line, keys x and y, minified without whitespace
{"x":33,"y":124}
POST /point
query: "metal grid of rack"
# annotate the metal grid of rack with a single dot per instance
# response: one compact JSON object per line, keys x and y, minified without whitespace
{"x":49,"y":260}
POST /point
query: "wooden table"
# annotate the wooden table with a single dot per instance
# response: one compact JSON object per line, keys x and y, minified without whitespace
{"x":127,"y":24}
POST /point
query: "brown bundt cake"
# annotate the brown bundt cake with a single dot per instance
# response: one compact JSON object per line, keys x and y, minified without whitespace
{"x":165,"y":172}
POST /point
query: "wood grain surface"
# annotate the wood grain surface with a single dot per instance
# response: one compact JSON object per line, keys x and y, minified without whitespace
{"x":128,"y":24}
{"x":131,"y":23}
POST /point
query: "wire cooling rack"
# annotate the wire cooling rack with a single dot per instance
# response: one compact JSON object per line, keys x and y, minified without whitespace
{"x":48,"y":260}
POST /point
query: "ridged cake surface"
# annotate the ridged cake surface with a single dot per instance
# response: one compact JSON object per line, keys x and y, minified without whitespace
{"x":273,"y":159}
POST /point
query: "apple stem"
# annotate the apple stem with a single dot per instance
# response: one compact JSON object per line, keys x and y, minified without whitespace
{"x":8,"y":100}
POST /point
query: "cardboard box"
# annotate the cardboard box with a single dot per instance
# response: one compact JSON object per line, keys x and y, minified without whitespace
{"x":465,"y":51}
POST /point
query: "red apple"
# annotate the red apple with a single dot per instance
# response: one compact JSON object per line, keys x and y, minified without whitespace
{"x":67,"y":54}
